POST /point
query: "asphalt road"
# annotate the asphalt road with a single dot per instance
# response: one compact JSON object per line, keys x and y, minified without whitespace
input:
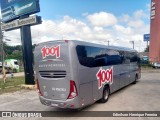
{"x":143,"y":96}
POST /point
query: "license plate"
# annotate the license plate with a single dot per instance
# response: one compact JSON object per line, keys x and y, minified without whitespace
{"x":53,"y":104}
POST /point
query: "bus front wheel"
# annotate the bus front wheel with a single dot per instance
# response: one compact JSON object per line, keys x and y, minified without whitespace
{"x":136,"y":78}
{"x":105,"y":96}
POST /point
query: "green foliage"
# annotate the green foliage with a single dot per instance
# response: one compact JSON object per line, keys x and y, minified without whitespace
{"x":15,"y":55}
{"x":11,"y":85}
{"x":13,"y":52}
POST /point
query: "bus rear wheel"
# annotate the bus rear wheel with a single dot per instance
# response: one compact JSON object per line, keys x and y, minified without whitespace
{"x":106,"y":93}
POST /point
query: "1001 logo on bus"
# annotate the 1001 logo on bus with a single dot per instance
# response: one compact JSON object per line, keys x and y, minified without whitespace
{"x":51,"y":51}
{"x":104,"y":76}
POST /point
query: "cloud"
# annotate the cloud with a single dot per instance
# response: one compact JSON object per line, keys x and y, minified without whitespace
{"x":68,"y":28}
{"x":102,"y":19}
{"x":14,"y":36}
{"x":139,"y":14}
{"x":98,"y":27}
{"x":136,"y":23}
{"x":124,"y":18}
{"x":123,"y":30}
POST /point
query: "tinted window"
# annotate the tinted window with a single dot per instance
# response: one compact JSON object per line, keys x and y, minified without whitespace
{"x":83,"y":56}
{"x":128,"y":57}
{"x":133,"y":57}
{"x":125,"y":59}
{"x":94,"y":56}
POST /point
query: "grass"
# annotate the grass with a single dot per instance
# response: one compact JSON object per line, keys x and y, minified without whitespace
{"x":21,"y":69}
{"x":11,"y":85}
{"x":146,"y":66}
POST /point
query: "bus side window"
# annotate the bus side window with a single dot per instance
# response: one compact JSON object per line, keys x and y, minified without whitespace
{"x":134,"y":57}
{"x":127,"y":58}
{"x":95,"y":57}
{"x":101,"y":61}
{"x":83,"y":56}
{"x":88,"y":61}
{"x":108,"y":57}
{"x":113,"y":60}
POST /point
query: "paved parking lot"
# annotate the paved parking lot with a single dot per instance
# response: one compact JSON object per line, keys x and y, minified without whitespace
{"x":143,"y":96}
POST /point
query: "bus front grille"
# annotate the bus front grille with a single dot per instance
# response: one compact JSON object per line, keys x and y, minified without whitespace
{"x":53,"y":74}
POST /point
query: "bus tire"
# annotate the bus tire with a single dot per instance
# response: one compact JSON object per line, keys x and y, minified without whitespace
{"x":105,"y":95}
{"x":136,"y":78}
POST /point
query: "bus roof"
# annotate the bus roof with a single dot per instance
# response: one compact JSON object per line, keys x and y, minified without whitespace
{"x":78,"y":42}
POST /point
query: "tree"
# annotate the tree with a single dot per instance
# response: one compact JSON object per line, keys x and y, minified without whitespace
{"x":14,"y":52}
{"x":147,"y":49}
{"x":15,"y":55}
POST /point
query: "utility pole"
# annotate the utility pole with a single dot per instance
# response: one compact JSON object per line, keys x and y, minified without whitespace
{"x":1,"y":43}
{"x":0,"y":36}
{"x":140,"y":46}
{"x":107,"y":42}
{"x":2,"y":52}
{"x":132,"y":43}
{"x":147,"y":46}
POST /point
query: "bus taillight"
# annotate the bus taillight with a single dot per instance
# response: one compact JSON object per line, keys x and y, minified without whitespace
{"x":73,"y":90}
{"x":38,"y":88}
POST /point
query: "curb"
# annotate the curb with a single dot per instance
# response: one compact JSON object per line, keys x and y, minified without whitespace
{"x":23,"y":86}
{"x":150,"y":71}
{"x":9,"y":87}
{"x":30,"y":87}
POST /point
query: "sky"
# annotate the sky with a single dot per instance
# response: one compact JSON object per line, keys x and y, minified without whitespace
{"x":99,"y":21}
